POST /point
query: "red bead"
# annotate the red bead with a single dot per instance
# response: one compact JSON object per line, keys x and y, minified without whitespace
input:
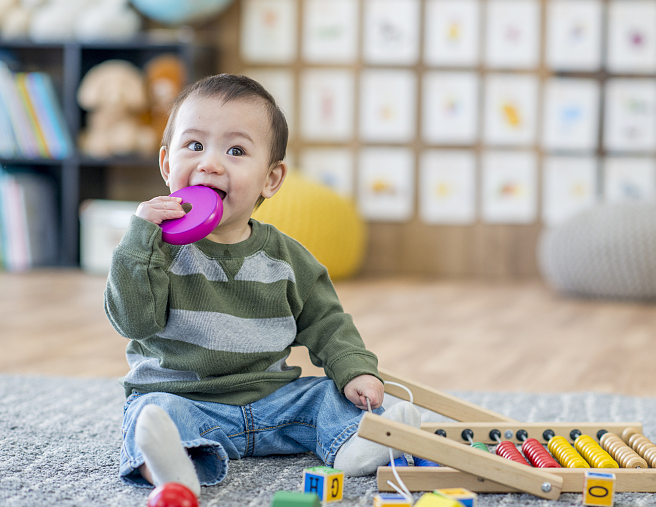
{"x":172,"y":494}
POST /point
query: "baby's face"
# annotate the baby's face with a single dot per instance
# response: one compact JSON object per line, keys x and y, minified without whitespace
{"x":225,"y":146}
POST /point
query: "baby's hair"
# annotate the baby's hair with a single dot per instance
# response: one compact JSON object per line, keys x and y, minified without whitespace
{"x":231,"y":87}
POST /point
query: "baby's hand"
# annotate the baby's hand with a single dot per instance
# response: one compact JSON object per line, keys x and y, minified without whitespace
{"x":160,"y":208}
{"x":362,"y":387}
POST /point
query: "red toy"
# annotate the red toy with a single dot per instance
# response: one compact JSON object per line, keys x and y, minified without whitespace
{"x":172,"y":494}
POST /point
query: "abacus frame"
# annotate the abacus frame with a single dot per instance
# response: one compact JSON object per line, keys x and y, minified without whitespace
{"x":476,"y":470}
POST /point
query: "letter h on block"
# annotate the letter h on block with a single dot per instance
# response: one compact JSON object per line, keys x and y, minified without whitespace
{"x":326,"y":482}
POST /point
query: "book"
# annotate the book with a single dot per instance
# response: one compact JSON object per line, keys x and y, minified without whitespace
{"x":51,"y":115}
{"x":26,"y":142}
{"x":33,"y":120}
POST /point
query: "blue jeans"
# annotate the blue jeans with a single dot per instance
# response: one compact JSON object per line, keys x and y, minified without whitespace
{"x":309,"y":414}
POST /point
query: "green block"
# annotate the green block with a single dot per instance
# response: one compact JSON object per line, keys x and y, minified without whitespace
{"x":295,"y":499}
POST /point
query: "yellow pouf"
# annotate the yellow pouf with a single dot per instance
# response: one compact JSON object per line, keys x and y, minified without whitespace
{"x":322,"y":221}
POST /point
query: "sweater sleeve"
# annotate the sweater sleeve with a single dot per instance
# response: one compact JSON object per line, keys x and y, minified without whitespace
{"x":136,"y":295}
{"x":331,"y":337}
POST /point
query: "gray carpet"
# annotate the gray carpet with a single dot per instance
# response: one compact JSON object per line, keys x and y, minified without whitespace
{"x":60,"y":441}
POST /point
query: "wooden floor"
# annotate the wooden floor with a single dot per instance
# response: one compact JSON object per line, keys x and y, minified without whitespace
{"x":469,"y":335}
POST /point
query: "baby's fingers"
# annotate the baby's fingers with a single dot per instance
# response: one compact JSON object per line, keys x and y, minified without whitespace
{"x":160,"y":208}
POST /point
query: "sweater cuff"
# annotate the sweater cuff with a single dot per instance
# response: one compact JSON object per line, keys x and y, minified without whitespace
{"x":142,"y":236}
{"x":353,"y":365}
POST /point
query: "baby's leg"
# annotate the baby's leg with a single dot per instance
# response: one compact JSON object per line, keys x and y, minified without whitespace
{"x":165,"y":458}
{"x":357,"y":456}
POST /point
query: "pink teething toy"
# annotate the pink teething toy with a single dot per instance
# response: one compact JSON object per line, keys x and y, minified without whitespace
{"x":205,"y":215}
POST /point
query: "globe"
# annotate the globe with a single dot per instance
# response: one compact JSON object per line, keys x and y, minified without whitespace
{"x":175,"y":12}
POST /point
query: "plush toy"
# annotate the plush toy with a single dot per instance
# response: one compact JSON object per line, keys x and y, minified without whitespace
{"x":55,"y":20}
{"x":166,"y":75}
{"x":16,"y":17}
{"x":107,"y":20}
{"x":114,"y":94}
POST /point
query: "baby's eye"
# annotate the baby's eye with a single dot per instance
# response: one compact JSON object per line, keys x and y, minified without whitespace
{"x":195,"y":146}
{"x":236,"y":151}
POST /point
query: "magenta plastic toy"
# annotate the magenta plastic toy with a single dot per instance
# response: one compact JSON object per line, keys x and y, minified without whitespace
{"x":205,"y":215}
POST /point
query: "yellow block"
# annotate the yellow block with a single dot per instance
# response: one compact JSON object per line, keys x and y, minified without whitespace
{"x":464,"y":496}
{"x":433,"y":500}
{"x":598,"y":489}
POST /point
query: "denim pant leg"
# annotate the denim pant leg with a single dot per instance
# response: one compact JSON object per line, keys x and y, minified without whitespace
{"x":204,"y":430}
{"x":308,"y":414}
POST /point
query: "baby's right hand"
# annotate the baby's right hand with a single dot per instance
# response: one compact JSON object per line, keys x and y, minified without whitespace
{"x":160,"y":208}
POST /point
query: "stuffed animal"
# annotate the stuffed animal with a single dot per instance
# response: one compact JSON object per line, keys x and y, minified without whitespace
{"x":55,"y":20}
{"x":16,"y":16}
{"x":107,"y":20}
{"x":114,"y":94}
{"x":166,"y":75}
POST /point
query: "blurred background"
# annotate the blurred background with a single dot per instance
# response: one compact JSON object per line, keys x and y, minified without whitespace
{"x":492,"y":151}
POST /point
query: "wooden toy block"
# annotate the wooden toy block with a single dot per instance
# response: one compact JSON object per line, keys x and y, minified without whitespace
{"x":391,"y":499}
{"x":464,"y":496}
{"x":433,"y":500}
{"x":295,"y":499}
{"x":598,"y":488}
{"x":326,"y":482}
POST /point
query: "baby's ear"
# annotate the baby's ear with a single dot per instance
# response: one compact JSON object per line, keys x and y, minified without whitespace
{"x":164,"y":164}
{"x":275,"y":179}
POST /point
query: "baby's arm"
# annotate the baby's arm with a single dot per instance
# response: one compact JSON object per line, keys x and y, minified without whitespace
{"x":362,"y":387}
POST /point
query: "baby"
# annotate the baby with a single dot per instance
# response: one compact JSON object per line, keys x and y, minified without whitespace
{"x":212,"y":323}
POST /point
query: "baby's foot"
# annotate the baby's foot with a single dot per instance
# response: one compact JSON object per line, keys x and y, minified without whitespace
{"x":358,"y":457}
{"x":159,"y":441}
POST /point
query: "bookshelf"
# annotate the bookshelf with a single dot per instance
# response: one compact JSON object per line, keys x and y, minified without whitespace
{"x":79,"y":177}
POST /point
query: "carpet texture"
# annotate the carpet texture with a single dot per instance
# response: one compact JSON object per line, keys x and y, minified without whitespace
{"x":60,"y":441}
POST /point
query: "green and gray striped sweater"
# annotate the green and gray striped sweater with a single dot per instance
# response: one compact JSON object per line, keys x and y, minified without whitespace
{"x":216,"y":322}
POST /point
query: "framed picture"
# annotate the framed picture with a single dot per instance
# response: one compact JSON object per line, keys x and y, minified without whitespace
{"x":629,"y":179}
{"x":631,"y":37}
{"x":573,"y":38}
{"x":510,"y":109}
{"x":280,"y":84}
{"x":327,"y":102}
{"x":387,"y":105}
{"x":330,"y":31}
{"x":391,"y":32}
{"x":447,"y":187}
{"x":332,"y":167}
{"x":386,"y":184}
{"x":569,"y":186}
{"x":571,"y":114}
{"x":509,"y":187}
{"x":268,"y":31}
{"x":630,"y":115}
{"x":449,"y":112}
{"x":512,"y":34}
{"x":451,"y":33}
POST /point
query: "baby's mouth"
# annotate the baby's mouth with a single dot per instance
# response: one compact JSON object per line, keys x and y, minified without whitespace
{"x":221,"y":193}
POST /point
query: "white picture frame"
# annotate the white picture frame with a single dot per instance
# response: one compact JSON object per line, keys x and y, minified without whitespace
{"x":387,"y":105}
{"x":447,"y":187}
{"x":509,"y":187}
{"x":512,"y":34}
{"x":332,"y":167}
{"x":386,"y":179}
{"x":630,"y":115}
{"x":330,"y":31}
{"x":569,"y":186}
{"x":571,"y":114}
{"x":327,"y":103}
{"x":391,"y":32}
{"x":631,"y":37}
{"x":629,"y":179}
{"x":268,"y":31}
{"x":279,"y":82}
{"x":450,"y":107}
{"x":452,"y":33}
{"x":510,"y":107}
{"x":574,"y":35}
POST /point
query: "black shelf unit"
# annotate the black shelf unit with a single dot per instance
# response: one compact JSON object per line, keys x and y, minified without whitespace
{"x":67,"y":63}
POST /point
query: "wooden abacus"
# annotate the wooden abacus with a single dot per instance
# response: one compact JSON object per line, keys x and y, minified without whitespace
{"x":483,"y":472}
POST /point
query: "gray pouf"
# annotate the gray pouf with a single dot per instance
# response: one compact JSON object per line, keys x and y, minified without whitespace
{"x":608,"y":251}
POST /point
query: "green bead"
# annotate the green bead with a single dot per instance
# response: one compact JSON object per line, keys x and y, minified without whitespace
{"x":480,"y":445}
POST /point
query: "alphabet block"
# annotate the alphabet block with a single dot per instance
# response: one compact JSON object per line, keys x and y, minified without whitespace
{"x":598,"y":489}
{"x":435,"y":500}
{"x":464,"y":496}
{"x":295,"y":499}
{"x":326,"y":482}
{"x":391,"y":499}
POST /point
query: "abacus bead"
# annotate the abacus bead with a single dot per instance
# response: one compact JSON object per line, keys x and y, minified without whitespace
{"x":628,"y":432}
{"x":635,"y":462}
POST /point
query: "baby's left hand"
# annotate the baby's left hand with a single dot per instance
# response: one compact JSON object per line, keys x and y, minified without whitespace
{"x":362,"y":387}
